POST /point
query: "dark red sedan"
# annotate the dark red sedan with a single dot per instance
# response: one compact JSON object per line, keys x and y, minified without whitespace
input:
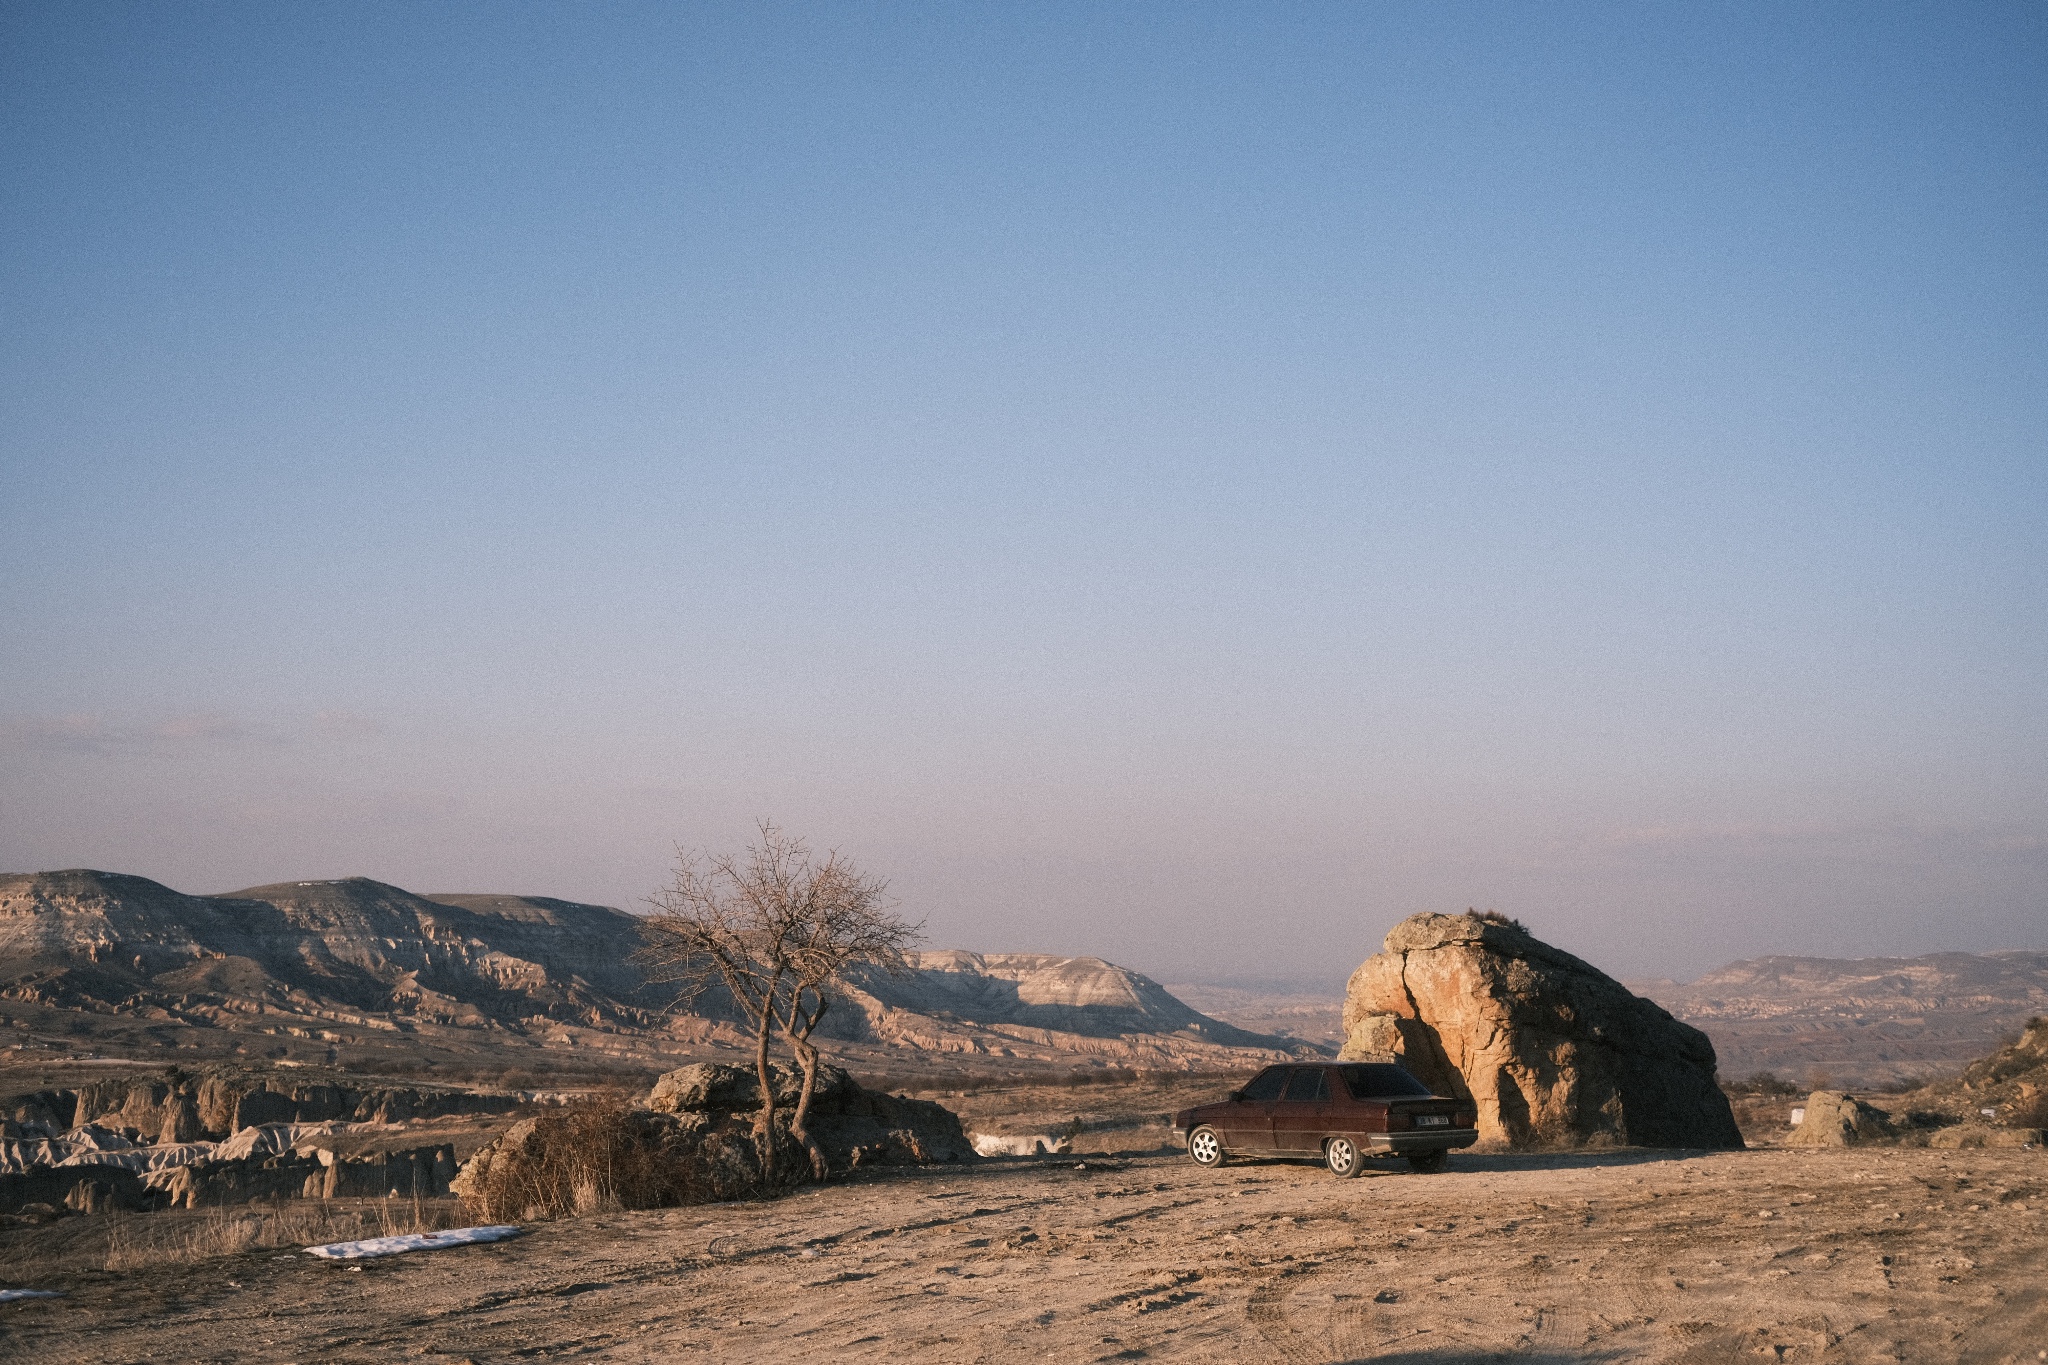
{"x":1343,"y":1112}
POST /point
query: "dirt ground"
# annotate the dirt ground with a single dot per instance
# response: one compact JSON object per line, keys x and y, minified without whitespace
{"x":1840,"y":1255}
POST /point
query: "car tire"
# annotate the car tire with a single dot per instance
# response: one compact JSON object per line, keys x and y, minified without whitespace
{"x":1205,"y":1146}
{"x":1430,"y":1162}
{"x":1343,"y":1158}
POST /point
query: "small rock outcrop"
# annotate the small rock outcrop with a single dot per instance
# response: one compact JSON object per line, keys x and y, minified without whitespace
{"x":1835,"y":1119}
{"x":216,"y":1103}
{"x":1551,"y":1050}
{"x":694,"y":1142}
{"x":854,"y":1125}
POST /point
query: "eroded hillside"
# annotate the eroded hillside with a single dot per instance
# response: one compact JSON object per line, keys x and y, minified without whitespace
{"x":1859,"y":1021}
{"x":338,"y":971}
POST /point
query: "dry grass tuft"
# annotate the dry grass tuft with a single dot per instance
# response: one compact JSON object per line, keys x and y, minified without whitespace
{"x":138,"y":1241}
{"x":590,"y":1156}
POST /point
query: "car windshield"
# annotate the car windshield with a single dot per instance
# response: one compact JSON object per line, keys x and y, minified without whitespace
{"x":1379,"y":1081}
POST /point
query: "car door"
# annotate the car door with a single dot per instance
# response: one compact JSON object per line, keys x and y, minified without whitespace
{"x":1301,"y":1113}
{"x":1248,"y":1122}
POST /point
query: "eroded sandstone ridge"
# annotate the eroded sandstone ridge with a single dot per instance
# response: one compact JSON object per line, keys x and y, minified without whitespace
{"x":358,"y":964}
{"x":1553,"y":1051}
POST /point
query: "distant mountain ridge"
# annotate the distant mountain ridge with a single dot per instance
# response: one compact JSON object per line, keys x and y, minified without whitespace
{"x":1032,"y":996}
{"x":320,"y":959}
{"x":1859,"y":1020}
{"x":343,"y":950}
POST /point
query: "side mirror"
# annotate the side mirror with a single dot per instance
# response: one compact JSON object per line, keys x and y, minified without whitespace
{"x":1237,"y":1097}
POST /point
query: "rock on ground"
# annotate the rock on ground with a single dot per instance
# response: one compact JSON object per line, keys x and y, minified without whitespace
{"x":1834,"y":1119}
{"x":1551,"y":1050}
{"x":854,"y":1125}
{"x":695,"y":1142}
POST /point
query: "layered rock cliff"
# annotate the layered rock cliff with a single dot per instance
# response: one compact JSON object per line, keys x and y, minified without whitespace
{"x":352,"y":951}
{"x":1553,"y":1051}
{"x":338,"y":961}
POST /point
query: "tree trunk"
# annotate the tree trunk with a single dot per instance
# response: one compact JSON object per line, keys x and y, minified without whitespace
{"x":764,"y":1125}
{"x":807,"y":1058}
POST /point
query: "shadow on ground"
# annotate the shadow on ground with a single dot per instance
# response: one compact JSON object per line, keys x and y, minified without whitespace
{"x":1493,"y":1162}
{"x":1454,"y":1356}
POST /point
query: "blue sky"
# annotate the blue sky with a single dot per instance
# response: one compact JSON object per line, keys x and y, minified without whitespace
{"x":1185,"y":483}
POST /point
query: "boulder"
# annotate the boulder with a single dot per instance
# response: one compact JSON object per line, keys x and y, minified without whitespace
{"x":854,"y":1125}
{"x":715,"y":1088}
{"x":1550,"y":1050}
{"x":694,"y":1142}
{"x":1834,"y":1119}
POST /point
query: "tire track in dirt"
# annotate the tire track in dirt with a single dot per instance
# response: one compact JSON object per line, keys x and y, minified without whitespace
{"x":2017,"y":1329}
{"x":1343,"y":1334}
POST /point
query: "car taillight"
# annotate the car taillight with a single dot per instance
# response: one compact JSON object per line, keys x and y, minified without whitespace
{"x":1398,"y":1120}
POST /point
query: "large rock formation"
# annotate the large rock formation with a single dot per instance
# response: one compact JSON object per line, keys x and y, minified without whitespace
{"x":1553,"y":1051}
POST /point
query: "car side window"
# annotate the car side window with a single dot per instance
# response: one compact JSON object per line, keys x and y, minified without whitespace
{"x":1308,"y":1086}
{"x":1266,"y":1085}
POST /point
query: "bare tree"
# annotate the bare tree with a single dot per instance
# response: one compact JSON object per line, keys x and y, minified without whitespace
{"x":845,"y":920}
{"x":777,"y":930}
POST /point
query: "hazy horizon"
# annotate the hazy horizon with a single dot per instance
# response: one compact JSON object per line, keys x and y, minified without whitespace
{"x":1189,"y":485}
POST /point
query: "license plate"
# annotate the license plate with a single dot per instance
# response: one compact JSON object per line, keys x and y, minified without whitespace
{"x":1432,"y":1121}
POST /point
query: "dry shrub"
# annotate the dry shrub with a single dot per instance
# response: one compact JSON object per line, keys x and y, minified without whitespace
{"x":1762,"y":1083}
{"x":138,"y":1241}
{"x":588,"y":1156}
{"x":1496,"y":917}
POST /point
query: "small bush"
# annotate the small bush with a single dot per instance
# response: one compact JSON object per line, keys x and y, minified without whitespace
{"x":1496,"y":917}
{"x":589,"y":1155}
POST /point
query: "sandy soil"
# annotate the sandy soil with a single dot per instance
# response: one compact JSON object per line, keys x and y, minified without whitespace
{"x":1846,"y":1255}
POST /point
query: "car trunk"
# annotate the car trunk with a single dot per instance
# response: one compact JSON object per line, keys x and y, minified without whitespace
{"x":1422,"y":1114}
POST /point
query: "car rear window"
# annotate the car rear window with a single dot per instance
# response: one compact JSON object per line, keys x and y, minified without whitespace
{"x":1380,"y":1081}
{"x":1308,"y":1086}
{"x":1266,"y":1085}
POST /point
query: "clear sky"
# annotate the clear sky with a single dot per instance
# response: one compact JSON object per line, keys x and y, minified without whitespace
{"x":1185,"y":483}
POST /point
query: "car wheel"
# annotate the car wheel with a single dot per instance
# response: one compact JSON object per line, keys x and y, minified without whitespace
{"x":1342,"y":1156}
{"x":1205,"y":1147}
{"x":1429,"y":1163}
